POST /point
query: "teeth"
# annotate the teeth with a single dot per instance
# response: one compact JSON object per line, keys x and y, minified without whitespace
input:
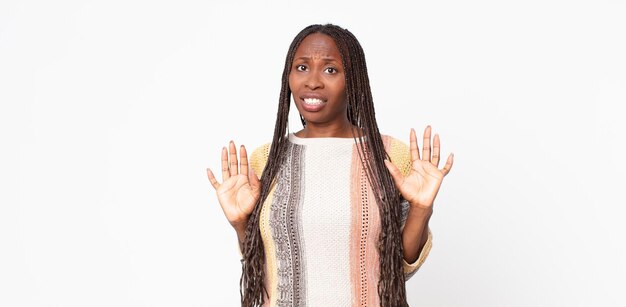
{"x":313,"y":101}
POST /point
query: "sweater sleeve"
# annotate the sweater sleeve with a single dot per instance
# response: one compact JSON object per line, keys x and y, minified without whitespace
{"x":400,"y":156}
{"x":257,"y":161}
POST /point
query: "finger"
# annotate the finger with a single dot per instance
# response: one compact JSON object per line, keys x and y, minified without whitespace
{"x":415,"y":152}
{"x":225,"y":172}
{"x":436,"y":150}
{"x":233,"y":159}
{"x":426,"y":144}
{"x":446,"y":168}
{"x":396,"y":175}
{"x":212,"y":179}
{"x":254,"y":180}
{"x":243,"y":157}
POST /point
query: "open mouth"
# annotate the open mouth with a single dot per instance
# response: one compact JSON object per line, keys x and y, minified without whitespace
{"x":313,"y":101}
{"x":313,"y":104}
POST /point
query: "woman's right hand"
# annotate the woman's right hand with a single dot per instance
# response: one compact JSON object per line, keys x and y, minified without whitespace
{"x":240,"y":189}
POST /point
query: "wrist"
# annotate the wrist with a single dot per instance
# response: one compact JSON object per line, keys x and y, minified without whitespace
{"x":240,"y":226}
{"x":421,"y":211}
{"x":422,"y":207}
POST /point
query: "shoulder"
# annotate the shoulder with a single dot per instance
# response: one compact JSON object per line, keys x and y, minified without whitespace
{"x":399,"y":153}
{"x":258,"y":158}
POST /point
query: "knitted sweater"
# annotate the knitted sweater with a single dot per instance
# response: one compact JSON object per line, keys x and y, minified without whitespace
{"x":320,"y":224}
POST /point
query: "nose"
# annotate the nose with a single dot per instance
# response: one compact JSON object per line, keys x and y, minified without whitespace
{"x":313,"y":81}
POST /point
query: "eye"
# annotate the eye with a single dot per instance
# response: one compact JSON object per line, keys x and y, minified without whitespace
{"x":331,"y":70}
{"x":300,"y":67}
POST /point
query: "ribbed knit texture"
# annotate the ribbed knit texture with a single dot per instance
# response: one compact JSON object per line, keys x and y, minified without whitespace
{"x":320,"y":224}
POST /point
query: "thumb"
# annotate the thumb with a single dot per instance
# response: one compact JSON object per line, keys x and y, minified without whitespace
{"x":255,"y":183}
{"x":396,"y":175}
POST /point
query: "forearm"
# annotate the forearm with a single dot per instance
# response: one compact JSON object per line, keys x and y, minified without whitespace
{"x":241,"y":235}
{"x":415,"y":233}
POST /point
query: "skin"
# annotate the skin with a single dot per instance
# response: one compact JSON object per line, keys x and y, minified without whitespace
{"x":419,"y":188}
{"x":317,"y":70}
{"x":239,"y":191}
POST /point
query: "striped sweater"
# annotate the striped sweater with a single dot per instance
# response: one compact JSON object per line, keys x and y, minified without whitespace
{"x":320,"y":224}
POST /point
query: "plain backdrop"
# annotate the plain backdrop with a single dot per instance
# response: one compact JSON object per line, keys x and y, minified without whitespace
{"x":111,"y":111}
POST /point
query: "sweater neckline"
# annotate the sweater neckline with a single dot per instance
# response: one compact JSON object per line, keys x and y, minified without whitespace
{"x":321,"y":140}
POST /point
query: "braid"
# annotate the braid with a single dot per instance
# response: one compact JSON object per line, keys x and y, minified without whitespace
{"x":391,"y":286}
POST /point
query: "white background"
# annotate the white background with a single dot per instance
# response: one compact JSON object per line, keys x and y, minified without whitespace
{"x":112,"y":110}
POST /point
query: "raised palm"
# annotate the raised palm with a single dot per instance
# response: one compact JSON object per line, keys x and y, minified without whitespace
{"x":240,"y":189}
{"x":421,"y":185}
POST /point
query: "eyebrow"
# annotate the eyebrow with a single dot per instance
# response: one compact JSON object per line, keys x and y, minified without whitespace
{"x":326,"y":58}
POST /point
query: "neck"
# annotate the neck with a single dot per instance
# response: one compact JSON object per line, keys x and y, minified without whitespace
{"x":342,"y":130}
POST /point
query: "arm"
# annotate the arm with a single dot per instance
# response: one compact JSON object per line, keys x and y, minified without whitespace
{"x":418,"y":181}
{"x":415,"y":233}
{"x":257,"y":162}
{"x":239,"y":190}
{"x":411,"y":239}
{"x":241,"y":237}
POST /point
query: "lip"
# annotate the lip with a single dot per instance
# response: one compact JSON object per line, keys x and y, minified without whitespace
{"x":313,"y":108}
{"x":313,"y":95}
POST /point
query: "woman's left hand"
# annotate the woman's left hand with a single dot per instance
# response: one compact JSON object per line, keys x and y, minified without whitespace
{"x":421,"y":185}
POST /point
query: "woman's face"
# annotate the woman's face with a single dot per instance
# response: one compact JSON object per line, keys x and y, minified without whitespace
{"x":317,"y":81}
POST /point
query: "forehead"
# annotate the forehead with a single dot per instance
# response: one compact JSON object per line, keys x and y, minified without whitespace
{"x":318,"y":45}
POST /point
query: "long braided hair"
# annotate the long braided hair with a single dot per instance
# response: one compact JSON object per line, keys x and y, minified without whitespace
{"x":391,"y":286}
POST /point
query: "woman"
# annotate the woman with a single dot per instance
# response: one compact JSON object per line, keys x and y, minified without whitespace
{"x":340,"y":213}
